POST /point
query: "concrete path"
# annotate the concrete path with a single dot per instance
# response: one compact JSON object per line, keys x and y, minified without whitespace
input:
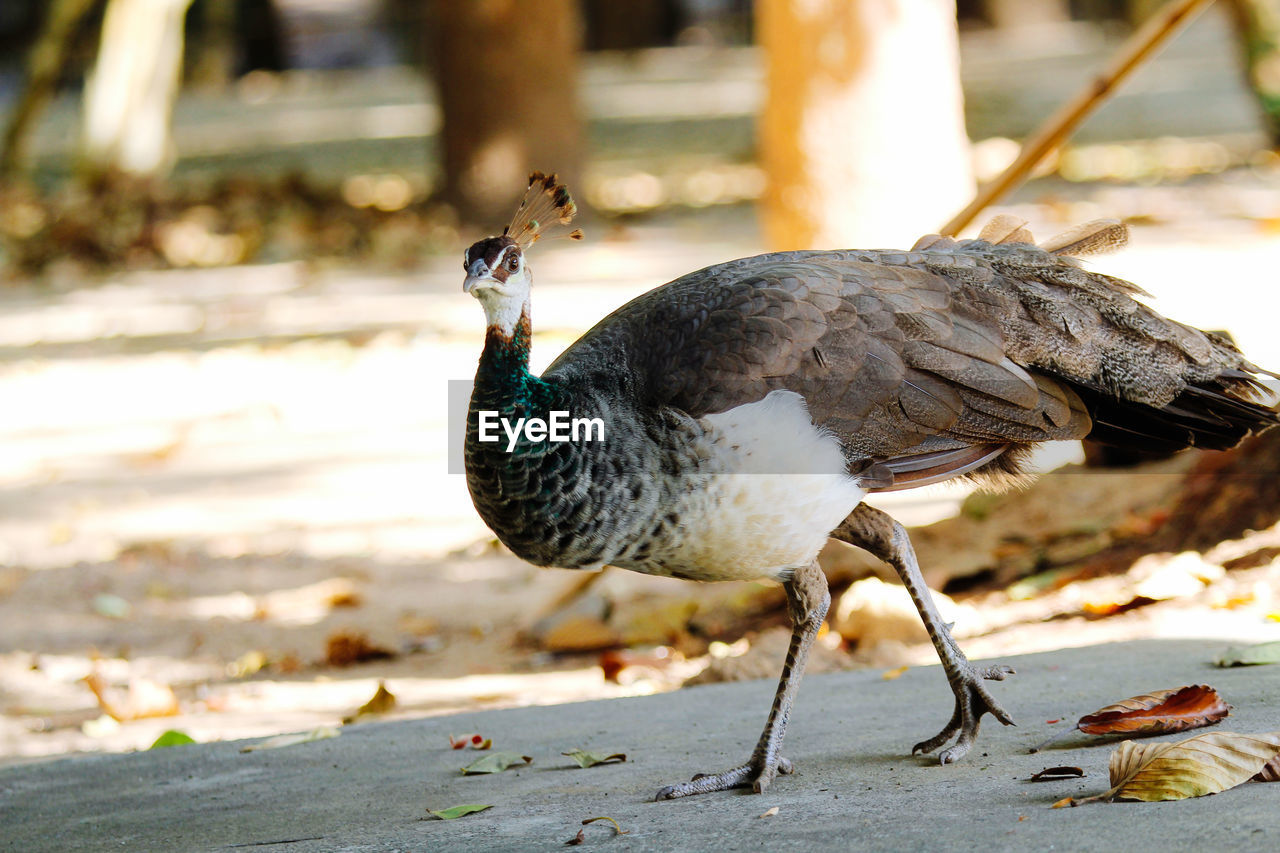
{"x":855,"y":788}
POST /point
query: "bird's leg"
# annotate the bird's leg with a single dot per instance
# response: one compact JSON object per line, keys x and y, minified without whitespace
{"x":807,"y":601}
{"x":878,"y":533}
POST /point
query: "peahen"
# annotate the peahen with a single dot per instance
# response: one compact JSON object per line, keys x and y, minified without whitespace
{"x":747,"y":408}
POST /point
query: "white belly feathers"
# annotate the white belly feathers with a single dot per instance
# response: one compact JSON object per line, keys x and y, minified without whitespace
{"x":779,"y":487}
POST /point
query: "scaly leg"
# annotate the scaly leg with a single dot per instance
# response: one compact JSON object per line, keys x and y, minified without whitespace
{"x":875,"y":531}
{"x":807,"y":600}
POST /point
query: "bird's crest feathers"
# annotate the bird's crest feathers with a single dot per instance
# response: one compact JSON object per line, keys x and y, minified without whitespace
{"x":546,"y":206}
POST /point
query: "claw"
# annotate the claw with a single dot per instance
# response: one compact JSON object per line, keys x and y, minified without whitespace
{"x":972,"y":701}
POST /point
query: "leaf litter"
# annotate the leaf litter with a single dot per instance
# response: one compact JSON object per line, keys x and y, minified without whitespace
{"x":474,"y":741}
{"x":496,"y":762}
{"x":382,"y":702}
{"x":280,"y":741}
{"x":591,"y":759}
{"x":1256,"y":655}
{"x":455,"y":812}
{"x":1050,"y":774}
{"x":617,"y":828}
{"x":1159,"y":712}
{"x":1200,"y":765}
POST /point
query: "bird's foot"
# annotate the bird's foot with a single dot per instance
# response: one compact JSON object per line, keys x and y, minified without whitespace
{"x":972,"y":701}
{"x":751,"y":773}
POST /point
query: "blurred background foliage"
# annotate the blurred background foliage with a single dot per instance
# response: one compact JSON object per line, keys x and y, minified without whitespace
{"x":154,"y":133}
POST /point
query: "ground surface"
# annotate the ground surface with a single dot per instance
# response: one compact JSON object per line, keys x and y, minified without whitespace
{"x":206,"y":476}
{"x":855,"y":787}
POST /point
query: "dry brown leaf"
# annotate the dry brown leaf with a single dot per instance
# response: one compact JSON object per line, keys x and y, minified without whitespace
{"x":1202,"y":764}
{"x":1160,"y":712}
{"x":1064,"y":803}
{"x":382,"y":702}
{"x":1052,"y":773}
{"x":770,"y":812}
{"x":1270,"y":771}
{"x":344,"y":648}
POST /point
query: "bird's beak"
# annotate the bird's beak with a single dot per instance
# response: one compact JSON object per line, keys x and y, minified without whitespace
{"x":478,"y":276}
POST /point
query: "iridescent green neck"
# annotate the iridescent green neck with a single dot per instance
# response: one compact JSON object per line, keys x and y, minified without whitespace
{"x":503,"y":381}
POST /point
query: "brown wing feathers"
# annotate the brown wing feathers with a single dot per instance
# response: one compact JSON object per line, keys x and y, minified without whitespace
{"x":936,"y":362}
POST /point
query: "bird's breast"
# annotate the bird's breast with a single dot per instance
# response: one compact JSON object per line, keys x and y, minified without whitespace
{"x":768,"y":487}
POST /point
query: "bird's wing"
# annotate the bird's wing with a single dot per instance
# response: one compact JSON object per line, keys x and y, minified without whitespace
{"x":883,"y":351}
{"x":935,"y":361}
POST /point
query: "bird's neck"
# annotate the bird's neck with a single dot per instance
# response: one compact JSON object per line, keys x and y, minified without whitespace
{"x":504,"y":364}
{"x":506,"y":389}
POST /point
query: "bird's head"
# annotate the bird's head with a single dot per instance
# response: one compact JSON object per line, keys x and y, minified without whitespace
{"x":497,"y":273}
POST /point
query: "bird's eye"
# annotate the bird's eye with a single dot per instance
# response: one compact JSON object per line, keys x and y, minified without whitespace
{"x":513,"y":263}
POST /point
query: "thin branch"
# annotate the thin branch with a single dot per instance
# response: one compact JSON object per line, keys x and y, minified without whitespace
{"x":45,"y":63}
{"x":1149,"y":38}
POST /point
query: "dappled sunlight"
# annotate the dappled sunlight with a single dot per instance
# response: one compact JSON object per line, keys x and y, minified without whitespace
{"x":305,"y":605}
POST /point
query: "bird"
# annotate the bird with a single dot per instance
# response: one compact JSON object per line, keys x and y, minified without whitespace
{"x":748,"y":408}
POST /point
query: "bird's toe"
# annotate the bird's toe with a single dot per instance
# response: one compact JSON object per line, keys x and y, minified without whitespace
{"x":972,"y":702}
{"x":757,"y":777}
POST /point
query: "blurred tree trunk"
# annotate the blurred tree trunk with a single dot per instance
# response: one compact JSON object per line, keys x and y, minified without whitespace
{"x":261,"y":36}
{"x":46,"y":62}
{"x":862,"y":136}
{"x":611,"y":25}
{"x":1016,"y":14}
{"x":1258,"y":22}
{"x":214,"y":64}
{"x":128,"y":97}
{"x":507,"y":74}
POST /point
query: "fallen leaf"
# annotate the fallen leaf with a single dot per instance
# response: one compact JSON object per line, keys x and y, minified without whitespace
{"x":617,"y":828}
{"x":1053,"y":773}
{"x":279,"y":741}
{"x":1250,"y":655}
{"x":1160,"y":712}
{"x":771,"y":812}
{"x":1200,"y":765}
{"x":347,"y":647}
{"x":1270,"y":771}
{"x":577,"y":839}
{"x":591,"y":759}
{"x":474,"y":741}
{"x":495,"y":762}
{"x":383,"y":702}
{"x":1163,"y":711}
{"x":172,"y":737}
{"x":247,"y":664}
{"x":891,"y":674}
{"x":454,"y":812}
{"x":1064,"y":802}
